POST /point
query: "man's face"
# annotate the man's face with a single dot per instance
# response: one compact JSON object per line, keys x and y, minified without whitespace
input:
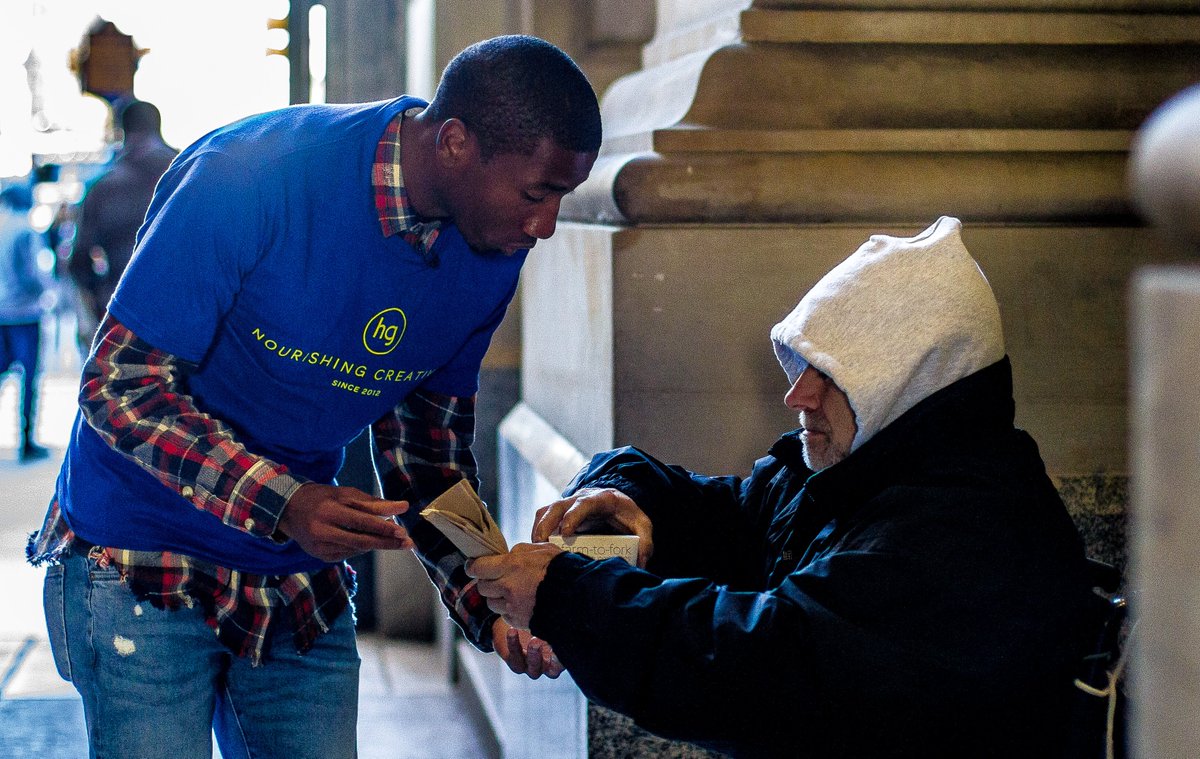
{"x":510,"y":201}
{"x":825,"y":414}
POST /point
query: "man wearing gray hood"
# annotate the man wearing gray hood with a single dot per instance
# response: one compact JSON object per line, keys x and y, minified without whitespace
{"x":897,"y":577}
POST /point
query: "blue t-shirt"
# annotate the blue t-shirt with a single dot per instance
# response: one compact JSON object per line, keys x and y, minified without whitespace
{"x":262,"y":261}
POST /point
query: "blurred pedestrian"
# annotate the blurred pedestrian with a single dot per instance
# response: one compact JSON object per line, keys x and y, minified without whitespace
{"x":22,"y":290}
{"x":113,"y":210}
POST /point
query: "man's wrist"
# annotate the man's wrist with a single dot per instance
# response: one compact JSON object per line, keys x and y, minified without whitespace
{"x":268,"y":508}
{"x":487,"y":632}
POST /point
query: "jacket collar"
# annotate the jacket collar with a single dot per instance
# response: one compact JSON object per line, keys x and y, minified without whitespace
{"x":955,"y":418}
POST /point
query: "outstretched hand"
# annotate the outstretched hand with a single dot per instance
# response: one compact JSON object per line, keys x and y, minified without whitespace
{"x":509,"y":581}
{"x":523,"y":653}
{"x":334,"y":523}
{"x":592,"y":507}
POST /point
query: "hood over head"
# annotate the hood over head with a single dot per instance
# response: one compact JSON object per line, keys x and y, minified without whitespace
{"x":898,"y":320}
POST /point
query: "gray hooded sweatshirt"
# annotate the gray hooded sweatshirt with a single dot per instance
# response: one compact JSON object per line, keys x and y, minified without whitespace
{"x":898,"y":320}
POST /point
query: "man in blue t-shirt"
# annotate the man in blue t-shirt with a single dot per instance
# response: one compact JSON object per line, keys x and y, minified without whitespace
{"x":301,"y":275}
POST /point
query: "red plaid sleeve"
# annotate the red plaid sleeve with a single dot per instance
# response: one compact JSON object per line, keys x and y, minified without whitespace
{"x":421,"y":449}
{"x":131,"y":396}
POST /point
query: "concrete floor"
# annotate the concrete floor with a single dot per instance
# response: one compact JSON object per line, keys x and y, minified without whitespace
{"x":408,"y":706}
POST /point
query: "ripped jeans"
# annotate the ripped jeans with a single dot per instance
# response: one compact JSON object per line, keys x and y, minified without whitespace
{"x":158,"y":683}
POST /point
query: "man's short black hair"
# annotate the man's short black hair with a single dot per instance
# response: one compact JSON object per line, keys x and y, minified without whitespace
{"x":514,"y":90}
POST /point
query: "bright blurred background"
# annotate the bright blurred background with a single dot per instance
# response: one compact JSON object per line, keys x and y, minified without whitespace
{"x":203,"y":65}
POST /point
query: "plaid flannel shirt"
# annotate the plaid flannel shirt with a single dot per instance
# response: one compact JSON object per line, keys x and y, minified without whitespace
{"x":131,"y":395}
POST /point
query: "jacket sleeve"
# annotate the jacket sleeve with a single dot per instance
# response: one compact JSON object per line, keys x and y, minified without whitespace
{"x":916,"y":621}
{"x":691,"y":659}
{"x":79,"y":263}
{"x":713,"y":527}
{"x":422,"y":448}
{"x":32,"y":281}
{"x":133,"y":395}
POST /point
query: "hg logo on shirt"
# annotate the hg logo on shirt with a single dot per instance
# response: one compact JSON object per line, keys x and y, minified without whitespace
{"x":384,"y":331}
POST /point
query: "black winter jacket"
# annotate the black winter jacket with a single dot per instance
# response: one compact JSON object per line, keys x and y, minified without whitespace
{"x":922,"y":598}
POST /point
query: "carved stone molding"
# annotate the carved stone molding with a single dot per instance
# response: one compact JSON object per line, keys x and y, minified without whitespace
{"x":851,"y":111}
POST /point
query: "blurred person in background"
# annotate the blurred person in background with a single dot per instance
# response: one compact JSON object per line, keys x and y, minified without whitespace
{"x":113,"y":210}
{"x":22,"y":302}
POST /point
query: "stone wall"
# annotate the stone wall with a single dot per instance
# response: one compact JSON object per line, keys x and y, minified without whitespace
{"x":1165,"y":439}
{"x":762,"y":142}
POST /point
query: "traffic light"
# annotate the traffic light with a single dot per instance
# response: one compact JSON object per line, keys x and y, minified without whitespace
{"x":278,"y":36}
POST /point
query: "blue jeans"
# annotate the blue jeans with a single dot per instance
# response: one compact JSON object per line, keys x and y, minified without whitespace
{"x":20,"y":344}
{"x":158,"y":683}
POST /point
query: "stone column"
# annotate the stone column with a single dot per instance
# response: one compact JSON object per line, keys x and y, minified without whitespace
{"x":366,"y":61}
{"x":365,"y":50}
{"x":603,"y":36}
{"x":1165,"y":441}
{"x":761,"y":142}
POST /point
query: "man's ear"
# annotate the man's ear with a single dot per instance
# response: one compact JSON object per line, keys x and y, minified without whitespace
{"x":455,"y":144}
